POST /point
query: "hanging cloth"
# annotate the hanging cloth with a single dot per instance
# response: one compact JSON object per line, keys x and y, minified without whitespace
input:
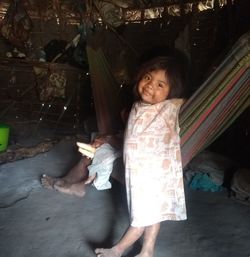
{"x":16,"y":24}
{"x":105,"y":92}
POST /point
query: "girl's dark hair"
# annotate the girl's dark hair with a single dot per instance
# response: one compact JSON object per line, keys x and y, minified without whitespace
{"x":174,"y":69}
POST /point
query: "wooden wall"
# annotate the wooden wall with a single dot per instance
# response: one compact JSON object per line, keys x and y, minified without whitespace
{"x":20,"y":94}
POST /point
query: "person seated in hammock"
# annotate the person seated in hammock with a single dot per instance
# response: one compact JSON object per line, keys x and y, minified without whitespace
{"x":94,"y":167}
{"x":97,"y":162}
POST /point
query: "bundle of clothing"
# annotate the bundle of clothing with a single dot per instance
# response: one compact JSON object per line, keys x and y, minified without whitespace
{"x":207,"y":171}
{"x":16,"y":24}
{"x":51,"y":82}
{"x":240,"y":186}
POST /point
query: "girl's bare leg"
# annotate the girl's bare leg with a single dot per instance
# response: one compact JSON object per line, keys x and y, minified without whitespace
{"x":132,"y":235}
{"x":150,"y":235}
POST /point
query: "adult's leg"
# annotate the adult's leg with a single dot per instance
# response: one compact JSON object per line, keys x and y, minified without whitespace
{"x":78,"y":173}
{"x":130,"y":237}
{"x":77,"y":189}
{"x":150,"y":236}
{"x":102,"y":164}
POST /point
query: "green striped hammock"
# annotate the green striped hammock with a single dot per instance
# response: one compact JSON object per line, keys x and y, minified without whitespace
{"x":217,"y":103}
{"x":208,"y":112}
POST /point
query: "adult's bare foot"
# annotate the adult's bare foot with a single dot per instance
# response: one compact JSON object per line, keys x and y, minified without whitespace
{"x":77,"y":189}
{"x":77,"y":174}
{"x":48,"y":182}
{"x":111,"y":252}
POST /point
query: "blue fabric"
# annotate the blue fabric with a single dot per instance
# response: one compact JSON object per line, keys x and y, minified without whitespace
{"x":201,"y":181}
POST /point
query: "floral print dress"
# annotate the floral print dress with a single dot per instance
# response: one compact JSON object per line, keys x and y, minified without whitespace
{"x":152,"y":157}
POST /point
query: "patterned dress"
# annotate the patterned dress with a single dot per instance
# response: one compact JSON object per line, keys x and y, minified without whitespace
{"x":154,"y":177}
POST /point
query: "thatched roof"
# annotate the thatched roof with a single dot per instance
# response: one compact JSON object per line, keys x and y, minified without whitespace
{"x":202,"y":28}
{"x":114,"y":12}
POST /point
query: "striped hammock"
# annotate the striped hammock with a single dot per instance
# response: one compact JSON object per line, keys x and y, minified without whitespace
{"x":206,"y":115}
{"x":217,"y":103}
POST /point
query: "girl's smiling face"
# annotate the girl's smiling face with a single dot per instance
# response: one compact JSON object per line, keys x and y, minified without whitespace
{"x":153,"y":87}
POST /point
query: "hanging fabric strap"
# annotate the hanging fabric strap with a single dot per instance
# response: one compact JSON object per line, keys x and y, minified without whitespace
{"x":105,"y":91}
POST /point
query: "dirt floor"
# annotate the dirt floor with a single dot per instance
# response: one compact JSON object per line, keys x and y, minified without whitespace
{"x":39,"y":222}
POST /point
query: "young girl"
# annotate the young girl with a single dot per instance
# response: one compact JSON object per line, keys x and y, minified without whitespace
{"x":152,"y":157}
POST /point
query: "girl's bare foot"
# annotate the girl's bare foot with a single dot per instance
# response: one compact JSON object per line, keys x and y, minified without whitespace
{"x":101,"y":252}
{"x":145,"y":254}
{"x":77,"y":189}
